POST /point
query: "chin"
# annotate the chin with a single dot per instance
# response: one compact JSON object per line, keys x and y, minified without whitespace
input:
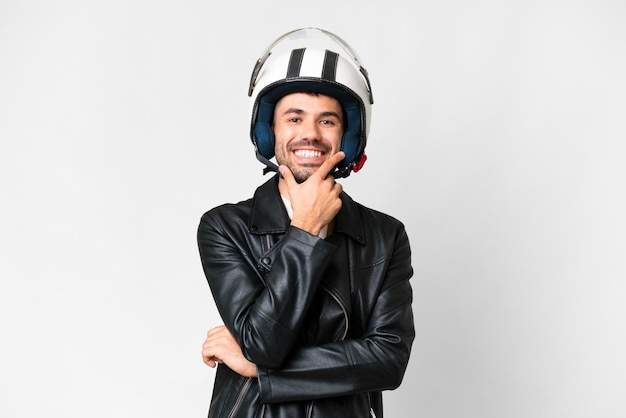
{"x":301,"y":177}
{"x":302,"y":173}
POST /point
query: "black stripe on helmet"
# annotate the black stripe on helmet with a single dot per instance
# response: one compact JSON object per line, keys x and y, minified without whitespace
{"x":329,"y":70}
{"x":295,"y":62}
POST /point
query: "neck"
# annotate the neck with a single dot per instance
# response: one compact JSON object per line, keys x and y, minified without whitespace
{"x":282,"y":187}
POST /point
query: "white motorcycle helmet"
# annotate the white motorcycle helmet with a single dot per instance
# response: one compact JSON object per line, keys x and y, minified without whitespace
{"x":316,"y":61}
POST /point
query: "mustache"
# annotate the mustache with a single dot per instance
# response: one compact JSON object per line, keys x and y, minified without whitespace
{"x":309,"y":144}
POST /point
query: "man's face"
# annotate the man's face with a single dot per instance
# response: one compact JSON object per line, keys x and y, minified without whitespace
{"x":307,"y":130}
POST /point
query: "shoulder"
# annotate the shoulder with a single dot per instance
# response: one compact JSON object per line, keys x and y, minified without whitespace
{"x":225,"y":217}
{"x":243,"y":207}
{"x":228,"y":210}
{"x":381,"y":227}
{"x":376,"y":216}
{"x":372,"y":217}
{"x":370,"y":227}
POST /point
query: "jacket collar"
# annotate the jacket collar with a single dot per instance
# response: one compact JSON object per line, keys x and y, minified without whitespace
{"x":269,"y":216}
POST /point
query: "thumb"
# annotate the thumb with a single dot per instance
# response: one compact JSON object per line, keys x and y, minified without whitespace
{"x":286,"y":174}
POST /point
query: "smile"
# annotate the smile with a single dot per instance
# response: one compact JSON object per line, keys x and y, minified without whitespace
{"x":306,"y":153}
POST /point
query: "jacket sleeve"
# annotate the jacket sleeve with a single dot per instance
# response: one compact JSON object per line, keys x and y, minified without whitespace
{"x":263,"y":307}
{"x":373,"y":361}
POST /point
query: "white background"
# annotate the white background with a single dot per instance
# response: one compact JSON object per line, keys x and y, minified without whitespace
{"x":497,"y":138}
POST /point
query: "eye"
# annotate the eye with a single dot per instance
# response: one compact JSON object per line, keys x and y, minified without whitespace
{"x":327,"y":122}
{"x":294,"y":119}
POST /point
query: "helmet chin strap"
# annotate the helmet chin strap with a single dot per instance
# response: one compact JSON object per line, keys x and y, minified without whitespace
{"x":340,"y":173}
{"x":269,"y":166}
{"x":337,"y":172}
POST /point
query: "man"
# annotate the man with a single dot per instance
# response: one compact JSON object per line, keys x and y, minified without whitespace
{"x":313,"y":288}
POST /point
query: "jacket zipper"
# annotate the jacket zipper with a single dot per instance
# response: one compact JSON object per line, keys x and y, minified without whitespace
{"x":267,"y":240}
{"x":243,"y":390}
{"x":343,"y":309}
{"x":309,"y":412}
{"x":343,"y":337}
{"x":369,"y":400}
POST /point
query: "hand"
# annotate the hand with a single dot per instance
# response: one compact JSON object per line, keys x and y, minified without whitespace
{"x":221,"y":347}
{"x":315,"y":202}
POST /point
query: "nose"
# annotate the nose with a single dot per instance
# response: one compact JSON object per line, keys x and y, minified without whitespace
{"x":310,"y":130}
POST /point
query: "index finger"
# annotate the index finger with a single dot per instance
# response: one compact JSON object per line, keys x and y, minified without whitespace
{"x":286,"y":174}
{"x":328,"y":165}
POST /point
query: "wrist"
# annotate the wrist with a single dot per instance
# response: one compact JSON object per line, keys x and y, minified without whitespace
{"x":307,"y":227}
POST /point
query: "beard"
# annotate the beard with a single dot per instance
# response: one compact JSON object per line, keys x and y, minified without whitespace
{"x":303,"y":171}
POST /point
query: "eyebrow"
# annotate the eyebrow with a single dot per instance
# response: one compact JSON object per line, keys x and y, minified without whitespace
{"x":293,"y":110}
{"x":331,"y":113}
{"x":302,"y":112}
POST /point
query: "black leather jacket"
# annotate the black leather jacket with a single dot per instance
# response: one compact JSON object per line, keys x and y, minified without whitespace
{"x":328,"y":322}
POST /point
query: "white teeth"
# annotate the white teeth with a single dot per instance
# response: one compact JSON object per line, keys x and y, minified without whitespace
{"x":308,"y":153}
